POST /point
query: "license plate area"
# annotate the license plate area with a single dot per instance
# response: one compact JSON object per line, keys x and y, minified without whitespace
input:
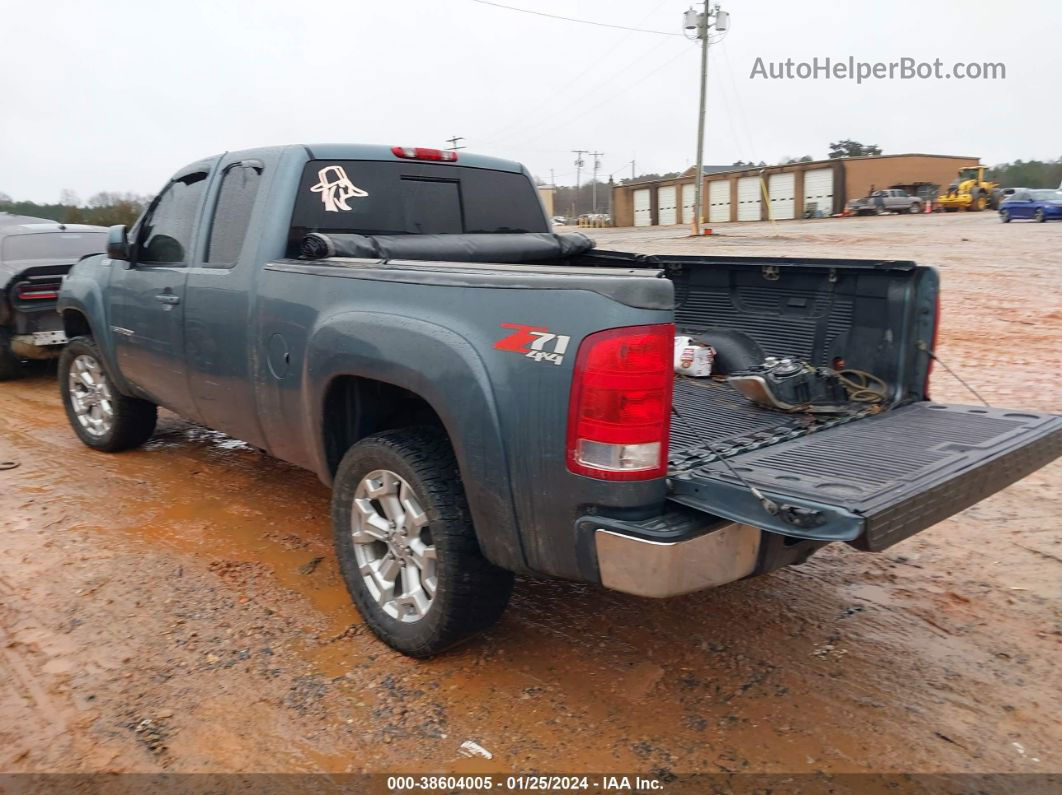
{"x":49,"y":338}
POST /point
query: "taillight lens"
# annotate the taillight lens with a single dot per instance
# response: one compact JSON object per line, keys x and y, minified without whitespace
{"x":38,"y":292}
{"x":421,"y":153}
{"x":619,"y":415}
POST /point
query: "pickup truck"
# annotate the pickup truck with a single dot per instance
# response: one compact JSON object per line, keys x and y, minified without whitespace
{"x":35,"y":255}
{"x":486,"y":397}
{"x":892,"y":200}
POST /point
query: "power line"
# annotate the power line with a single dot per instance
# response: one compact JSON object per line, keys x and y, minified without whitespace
{"x":574,"y":81}
{"x":537,"y":130}
{"x":573,"y":19}
{"x":560,"y":102}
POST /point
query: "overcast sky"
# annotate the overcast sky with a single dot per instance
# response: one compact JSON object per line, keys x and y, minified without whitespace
{"x":113,"y":95}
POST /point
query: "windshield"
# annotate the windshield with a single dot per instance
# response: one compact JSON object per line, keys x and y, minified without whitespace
{"x":1047,"y":195}
{"x":384,"y":198}
{"x":70,"y":246}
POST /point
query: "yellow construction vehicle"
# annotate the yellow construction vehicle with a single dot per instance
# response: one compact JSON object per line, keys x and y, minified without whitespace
{"x":970,"y":191}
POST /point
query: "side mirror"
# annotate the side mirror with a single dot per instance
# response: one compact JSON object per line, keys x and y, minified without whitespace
{"x":118,"y":243}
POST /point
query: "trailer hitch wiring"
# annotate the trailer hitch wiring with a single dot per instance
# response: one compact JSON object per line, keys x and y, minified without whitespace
{"x":790,"y":514}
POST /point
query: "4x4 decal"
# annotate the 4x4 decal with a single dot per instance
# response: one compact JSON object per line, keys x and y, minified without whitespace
{"x":534,"y":342}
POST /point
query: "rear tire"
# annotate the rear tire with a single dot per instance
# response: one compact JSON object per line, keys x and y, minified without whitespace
{"x":11,"y":366}
{"x":406,"y":547}
{"x":102,"y":417}
{"x":914,"y":208}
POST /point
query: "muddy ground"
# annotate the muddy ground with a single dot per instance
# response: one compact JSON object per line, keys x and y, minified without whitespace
{"x":178,"y":608}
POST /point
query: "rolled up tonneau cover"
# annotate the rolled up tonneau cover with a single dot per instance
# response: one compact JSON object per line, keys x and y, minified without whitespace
{"x":505,"y":248}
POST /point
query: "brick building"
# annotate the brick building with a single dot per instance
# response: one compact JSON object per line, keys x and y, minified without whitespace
{"x":794,"y":190}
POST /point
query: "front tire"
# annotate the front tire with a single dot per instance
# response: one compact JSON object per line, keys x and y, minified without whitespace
{"x":102,"y":417}
{"x":1039,"y":216}
{"x":406,"y":547}
{"x":1004,"y":216}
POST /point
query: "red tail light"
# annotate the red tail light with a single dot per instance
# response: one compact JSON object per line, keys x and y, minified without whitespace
{"x":38,"y":292}
{"x":619,"y":415}
{"x":420,"y":153}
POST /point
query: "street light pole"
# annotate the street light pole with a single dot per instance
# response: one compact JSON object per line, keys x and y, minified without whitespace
{"x":701,"y":22}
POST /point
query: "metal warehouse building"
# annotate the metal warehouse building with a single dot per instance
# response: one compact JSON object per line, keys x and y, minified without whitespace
{"x":794,"y":190}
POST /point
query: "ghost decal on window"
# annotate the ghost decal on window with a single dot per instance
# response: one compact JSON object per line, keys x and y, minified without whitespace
{"x":336,"y":188}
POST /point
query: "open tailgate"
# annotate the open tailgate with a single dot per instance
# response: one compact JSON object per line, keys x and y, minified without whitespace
{"x":872,"y":481}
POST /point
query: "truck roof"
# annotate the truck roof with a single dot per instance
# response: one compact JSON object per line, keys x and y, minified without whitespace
{"x":383,"y":152}
{"x":380,"y":152}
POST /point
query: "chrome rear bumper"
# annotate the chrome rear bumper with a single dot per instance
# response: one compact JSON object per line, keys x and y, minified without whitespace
{"x":668,"y":568}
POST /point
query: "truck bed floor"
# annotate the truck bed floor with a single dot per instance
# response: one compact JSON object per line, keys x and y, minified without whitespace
{"x":714,"y":412}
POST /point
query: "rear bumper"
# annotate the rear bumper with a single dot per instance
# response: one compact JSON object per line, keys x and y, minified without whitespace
{"x":669,"y":568}
{"x":685,"y":551}
{"x":38,"y":345}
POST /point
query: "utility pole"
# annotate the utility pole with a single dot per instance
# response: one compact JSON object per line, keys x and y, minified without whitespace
{"x":453,"y":147}
{"x":578,"y":173}
{"x":701,"y":22}
{"x":597,"y":165}
{"x":632,"y":171}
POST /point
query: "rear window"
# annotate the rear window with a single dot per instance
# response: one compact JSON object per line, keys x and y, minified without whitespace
{"x":385,"y":198}
{"x":70,"y":246}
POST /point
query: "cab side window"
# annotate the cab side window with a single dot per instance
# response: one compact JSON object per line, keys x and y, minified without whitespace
{"x":232,"y":215}
{"x":166,"y":234}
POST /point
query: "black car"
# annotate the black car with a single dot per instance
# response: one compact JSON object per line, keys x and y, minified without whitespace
{"x":35,"y":256}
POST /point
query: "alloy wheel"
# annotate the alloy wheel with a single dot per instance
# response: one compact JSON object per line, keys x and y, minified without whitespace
{"x":90,"y":395}
{"x":393,"y":545}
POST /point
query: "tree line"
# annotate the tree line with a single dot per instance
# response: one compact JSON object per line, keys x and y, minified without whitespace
{"x":102,"y":209}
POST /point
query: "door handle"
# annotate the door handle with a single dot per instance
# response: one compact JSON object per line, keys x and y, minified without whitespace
{"x":168,"y":298}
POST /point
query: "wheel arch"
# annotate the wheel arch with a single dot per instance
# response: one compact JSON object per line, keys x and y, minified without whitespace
{"x":367,"y":372}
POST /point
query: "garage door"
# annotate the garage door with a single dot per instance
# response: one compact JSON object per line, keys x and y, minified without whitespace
{"x":781,"y":188}
{"x":643,"y":210}
{"x":748,"y":199}
{"x":687,"y":202}
{"x":667,"y":205}
{"x":818,"y":190}
{"x":719,"y":201}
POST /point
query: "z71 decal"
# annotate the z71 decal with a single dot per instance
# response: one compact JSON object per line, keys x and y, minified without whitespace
{"x":534,"y":342}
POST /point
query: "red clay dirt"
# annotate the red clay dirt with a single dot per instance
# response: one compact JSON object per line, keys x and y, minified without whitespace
{"x":178,"y":608}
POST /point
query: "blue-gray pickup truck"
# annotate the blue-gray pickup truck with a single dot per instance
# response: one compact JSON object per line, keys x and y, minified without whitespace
{"x":487,"y":397}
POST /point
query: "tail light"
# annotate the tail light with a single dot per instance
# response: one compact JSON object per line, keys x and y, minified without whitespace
{"x":619,"y":415}
{"x":38,"y":292}
{"x":420,"y":153}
